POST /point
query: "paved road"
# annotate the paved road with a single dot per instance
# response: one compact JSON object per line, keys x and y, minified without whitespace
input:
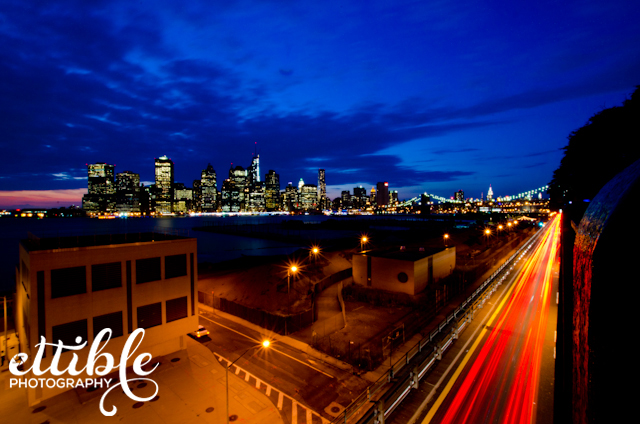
{"x":498,"y":379}
{"x":303,"y":388}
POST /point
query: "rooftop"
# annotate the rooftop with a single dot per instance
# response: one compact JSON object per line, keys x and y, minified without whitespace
{"x":410,"y":254}
{"x":35,"y":243}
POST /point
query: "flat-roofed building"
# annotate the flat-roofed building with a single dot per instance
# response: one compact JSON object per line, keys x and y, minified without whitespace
{"x":403,"y":270}
{"x":77,"y":286}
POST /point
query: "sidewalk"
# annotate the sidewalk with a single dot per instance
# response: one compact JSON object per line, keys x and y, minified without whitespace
{"x":191,"y":389}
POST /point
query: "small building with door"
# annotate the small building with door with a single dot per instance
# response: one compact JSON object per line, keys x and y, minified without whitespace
{"x":403,"y":270}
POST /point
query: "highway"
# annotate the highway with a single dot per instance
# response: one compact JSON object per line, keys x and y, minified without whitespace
{"x":498,"y":379}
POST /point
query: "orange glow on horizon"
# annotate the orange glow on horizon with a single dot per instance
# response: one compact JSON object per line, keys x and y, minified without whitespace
{"x":29,"y":199}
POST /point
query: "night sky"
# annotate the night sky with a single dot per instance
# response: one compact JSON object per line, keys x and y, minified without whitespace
{"x":430,"y":96}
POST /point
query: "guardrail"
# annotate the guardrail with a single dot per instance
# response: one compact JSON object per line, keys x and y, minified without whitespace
{"x":428,"y":350}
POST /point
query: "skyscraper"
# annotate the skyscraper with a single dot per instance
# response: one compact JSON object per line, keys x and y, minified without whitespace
{"x":208,"y":190}
{"x":101,"y":189}
{"x":128,"y":192}
{"x":382,"y":194}
{"x":490,"y":194}
{"x":290,"y":197}
{"x":272,"y":191}
{"x":322,"y":190}
{"x":254,"y":170}
{"x":239,"y":177}
{"x":459,"y":195}
{"x":309,"y":197}
{"x":164,"y":185}
{"x":197,"y":195}
{"x":359,"y":197}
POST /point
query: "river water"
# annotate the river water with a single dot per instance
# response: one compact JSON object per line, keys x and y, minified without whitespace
{"x":212,"y":247}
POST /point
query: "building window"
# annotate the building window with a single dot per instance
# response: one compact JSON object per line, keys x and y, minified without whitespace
{"x":112,"y":321}
{"x":106,"y":276}
{"x":67,"y":333}
{"x":175,"y":266}
{"x":150,"y":315}
{"x":68,"y":281}
{"x":148,"y":270}
{"x":176,"y":308}
{"x":403,"y":277}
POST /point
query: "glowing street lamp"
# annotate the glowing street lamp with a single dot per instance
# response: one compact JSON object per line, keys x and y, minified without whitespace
{"x":265,"y":344}
{"x":291,"y":271}
{"x":446,"y":237}
{"x":363,"y":241}
{"x":315,"y":250}
{"x":487,"y":233}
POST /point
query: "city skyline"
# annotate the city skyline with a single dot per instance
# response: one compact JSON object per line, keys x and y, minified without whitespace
{"x":427,"y":96}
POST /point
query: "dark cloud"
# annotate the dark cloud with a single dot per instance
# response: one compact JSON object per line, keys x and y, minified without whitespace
{"x":77,"y":99}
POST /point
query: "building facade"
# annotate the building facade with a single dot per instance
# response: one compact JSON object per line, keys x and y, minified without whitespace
{"x":322,"y":190}
{"x":164,"y":185}
{"x":272,"y":191}
{"x":209,"y":190}
{"x":128,"y":192}
{"x":382,"y":194}
{"x":101,"y":195}
{"x":77,"y":286}
{"x":401,"y":270}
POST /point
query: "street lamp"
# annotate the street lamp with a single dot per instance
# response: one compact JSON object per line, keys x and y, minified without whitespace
{"x":264,"y":344}
{"x":446,"y":237}
{"x":363,"y":241}
{"x":487,"y":233}
{"x":314,"y":251}
{"x":291,"y":270}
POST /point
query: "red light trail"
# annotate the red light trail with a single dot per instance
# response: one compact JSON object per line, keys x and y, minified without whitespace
{"x":500,"y":385}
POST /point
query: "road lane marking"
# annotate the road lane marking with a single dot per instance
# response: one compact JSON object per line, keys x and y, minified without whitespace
{"x":281,"y":395}
{"x":415,"y":416}
{"x":523,"y":274}
{"x":270,"y":348}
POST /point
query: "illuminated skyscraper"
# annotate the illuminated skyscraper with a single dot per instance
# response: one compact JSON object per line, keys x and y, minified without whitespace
{"x":459,"y":195}
{"x":490,"y":194}
{"x":254,"y":170}
{"x":197,"y":195}
{"x":290,"y":197}
{"x":322,"y":190}
{"x":208,"y":190}
{"x":309,"y":197}
{"x":101,"y":189}
{"x":164,"y":185}
{"x":239,"y":177}
{"x":272,"y":191}
{"x":128,"y":192}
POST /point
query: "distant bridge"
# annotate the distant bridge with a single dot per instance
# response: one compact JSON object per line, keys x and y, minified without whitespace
{"x":434,"y":197}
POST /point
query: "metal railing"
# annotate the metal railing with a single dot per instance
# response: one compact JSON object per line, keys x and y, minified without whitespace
{"x":428,"y":350}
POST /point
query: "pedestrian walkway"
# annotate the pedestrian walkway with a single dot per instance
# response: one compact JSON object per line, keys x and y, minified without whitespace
{"x":191,"y":389}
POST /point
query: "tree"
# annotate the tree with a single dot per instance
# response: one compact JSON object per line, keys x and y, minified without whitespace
{"x":607,"y":144}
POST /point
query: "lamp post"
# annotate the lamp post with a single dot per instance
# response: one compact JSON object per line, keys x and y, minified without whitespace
{"x":446,"y":237}
{"x":264,"y":344}
{"x":487,"y":233}
{"x":363,"y":241}
{"x":291,"y":270}
{"x":314,"y":251}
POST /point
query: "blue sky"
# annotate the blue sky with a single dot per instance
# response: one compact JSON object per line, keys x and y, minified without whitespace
{"x":430,"y":96}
